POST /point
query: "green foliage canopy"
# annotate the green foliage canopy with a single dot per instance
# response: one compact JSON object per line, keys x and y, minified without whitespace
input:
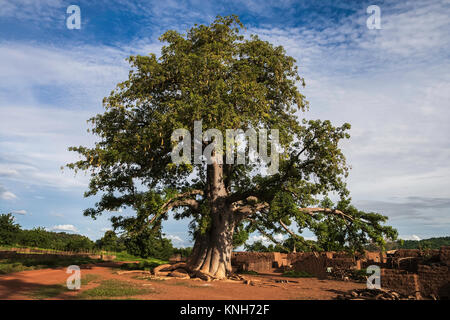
{"x":216,"y":75}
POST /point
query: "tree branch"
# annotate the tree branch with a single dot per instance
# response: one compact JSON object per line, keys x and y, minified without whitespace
{"x":183,"y":195}
{"x":267,"y":235}
{"x":175,"y":202}
{"x":311,"y":212}
{"x":295,"y":235}
{"x":248,"y":207}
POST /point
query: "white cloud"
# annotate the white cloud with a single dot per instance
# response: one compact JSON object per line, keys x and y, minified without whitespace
{"x":37,"y":142}
{"x":31,"y":10}
{"x":392,"y":85}
{"x":6,"y":195}
{"x":64,"y":227}
{"x":411,"y":237}
{"x":21,"y":212}
{"x":7,"y":172}
{"x":72,"y":78}
{"x":265,"y":241}
{"x":36,"y":134}
{"x":174,"y":238}
{"x":57,"y":214}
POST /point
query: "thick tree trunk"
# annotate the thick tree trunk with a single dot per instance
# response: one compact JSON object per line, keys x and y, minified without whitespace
{"x":212,"y":251}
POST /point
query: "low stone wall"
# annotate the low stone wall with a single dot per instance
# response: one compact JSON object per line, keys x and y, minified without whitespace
{"x":409,"y":272}
{"x":425,"y":271}
{"x":434,"y":280}
{"x":429,"y":281}
{"x":48,"y":256}
{"x":176,"y":258}
{"x":375,"y":257}
{"x":105,"y":257}
{"x":400,"y":281}
{"x":261,"y":262}
{"x":444,"y":256}
{"x":314,"y":263}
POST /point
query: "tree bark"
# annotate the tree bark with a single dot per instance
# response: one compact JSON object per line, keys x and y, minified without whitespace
{"x":211,"y":254}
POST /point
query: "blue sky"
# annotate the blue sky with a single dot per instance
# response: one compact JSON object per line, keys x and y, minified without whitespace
{"x":391,"y":84}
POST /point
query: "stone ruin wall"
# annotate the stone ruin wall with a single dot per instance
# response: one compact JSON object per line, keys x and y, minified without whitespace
{"x":9,"y":254}
{"x":410,"y":272}
{"x":269,"y":262}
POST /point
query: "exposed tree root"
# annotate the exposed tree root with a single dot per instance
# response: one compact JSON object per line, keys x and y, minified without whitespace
{"x":167,"y":269}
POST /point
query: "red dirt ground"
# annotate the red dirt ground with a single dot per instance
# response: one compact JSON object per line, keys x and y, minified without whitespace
{"x":19,"y":285}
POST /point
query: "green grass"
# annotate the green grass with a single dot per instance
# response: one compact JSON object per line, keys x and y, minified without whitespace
{"x":148,"y":278}
{"x":359,"y":274}
{"x":174,"y":282}
{"x":297,"y":274}
{"x":114,"y":288}
{"x":141,"y":264}
{"x":47,"y":291}
{"x":124,"y":256}
{"x":88,"y":278}
{"x":18,"y":263}
{"x":7,"y":266}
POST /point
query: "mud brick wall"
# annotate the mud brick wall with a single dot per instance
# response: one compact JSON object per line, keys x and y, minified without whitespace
{"x":177,"y":258}
{"x":434,"y":280}
{"x":424,"y":271}
{"x":340,"y":255}
{"x":106,"y":257}
{"x":317,"y":264}
{"x":415,"y":253}
{"x":410,"y":259}
{"x":49,"y":256}
{"x":409,"y":272}
{"x":444,"y":255}
{"x":260,"y":262}
{"x":314,"y":265}
{"x":410,"y":264}
{"x":13,"y":255}
{"x":7,"y":254}
{"x":402,"y":253}
{"x":375,"y":257}
{"x":294,"y":256}
{"x":400,"y":281}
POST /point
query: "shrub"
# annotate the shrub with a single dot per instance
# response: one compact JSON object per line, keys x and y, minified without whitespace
{"x":297,"y":274}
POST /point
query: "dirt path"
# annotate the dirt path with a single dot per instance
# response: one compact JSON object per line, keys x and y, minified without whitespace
{"x":19,"y":285}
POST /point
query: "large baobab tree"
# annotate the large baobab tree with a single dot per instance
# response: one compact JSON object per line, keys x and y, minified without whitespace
{"x":215,"y":75}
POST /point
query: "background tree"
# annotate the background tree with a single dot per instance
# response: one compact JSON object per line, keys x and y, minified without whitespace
{"x":36,"y":237}
{"x":149,"y":243}
{"x":111,"y":242}
{"x":9,"y":230}
{"x":214,"y":74}
{"x":79,"y":243}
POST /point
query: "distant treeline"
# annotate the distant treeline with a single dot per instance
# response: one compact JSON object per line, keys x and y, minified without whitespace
{"x":432,"y":243}
{"x":11,"y":234}
{"x":153,"y":244}
{"x":145,"y":245}
{"x":286,"y":246}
